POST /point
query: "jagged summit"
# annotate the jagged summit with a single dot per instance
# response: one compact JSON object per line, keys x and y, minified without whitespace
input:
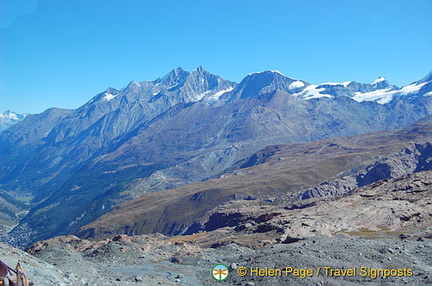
{"x":174,"y":77}
{"x":183,"y":86}
{"x":180,"y":85}
{"x":199,"y":69}
{"x":380,"y":83}
{"x":133,"y":86}
{"x":378,"y":80}
{"x":179,"y":70}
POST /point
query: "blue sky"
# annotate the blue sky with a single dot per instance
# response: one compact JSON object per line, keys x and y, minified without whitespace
{"x":61,"y":53}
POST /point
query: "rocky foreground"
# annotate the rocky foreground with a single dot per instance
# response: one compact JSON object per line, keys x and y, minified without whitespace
{"x":157,"y":260}
{"x":378,"y":234}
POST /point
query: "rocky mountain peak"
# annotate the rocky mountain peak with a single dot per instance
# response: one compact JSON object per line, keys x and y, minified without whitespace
{"x":174,"y":78}
{"x":273,"y":74}
{"x":133,"y":86}
{"x":427,"y":78}
{"x":262,"y":82}
{"x":199,"y":72}
{"x":380,"y":83}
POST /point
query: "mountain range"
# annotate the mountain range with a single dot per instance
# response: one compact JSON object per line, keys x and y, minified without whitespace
{"x":182,"y":128}
{"x":9,"y":118}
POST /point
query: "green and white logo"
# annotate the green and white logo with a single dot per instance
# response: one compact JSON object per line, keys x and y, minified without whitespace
{"x":220,"y":272}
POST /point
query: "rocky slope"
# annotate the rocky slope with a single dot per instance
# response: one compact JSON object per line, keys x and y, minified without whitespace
{"x":37,"y":270}
{"x":143,"y":260}
{"x":385,"y":209}
{"x":415,"y":158}
{"x":385,"y":225}
{"x":275,"y":173}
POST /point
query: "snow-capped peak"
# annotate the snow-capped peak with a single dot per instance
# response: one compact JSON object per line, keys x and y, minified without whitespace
{"x":276,"y":71}
{"x":9,"y":114}
{"x":9,"y":118}
{"x":12,"y":116}
{"x":270,"y":71}
{"x":378,"y":80}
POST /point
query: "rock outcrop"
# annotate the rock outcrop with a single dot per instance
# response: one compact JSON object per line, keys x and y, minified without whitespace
{"x":415,"y":158}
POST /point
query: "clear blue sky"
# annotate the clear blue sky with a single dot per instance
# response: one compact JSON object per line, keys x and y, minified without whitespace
{"x":61,"y":53}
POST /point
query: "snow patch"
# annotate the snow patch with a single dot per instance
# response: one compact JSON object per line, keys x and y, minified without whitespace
{"x":412,"y":88}
{"x":382,"y":96}
{"x":108,"y":96}
{"x":201,"y":95}
{"x":273,"y":71}
{"x":311,"y":92}
{"x":331,"y":83}
{"x":217,"y":95}
{"x":276,"y":71}
{"x":344,"y":84}
{"x":296,"y":84}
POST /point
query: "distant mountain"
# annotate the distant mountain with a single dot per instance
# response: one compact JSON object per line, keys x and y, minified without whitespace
{"x":264,"y":82}
{"x":380,"y":90}
{"x":184,"y":127}
{"x":9,"y":118}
